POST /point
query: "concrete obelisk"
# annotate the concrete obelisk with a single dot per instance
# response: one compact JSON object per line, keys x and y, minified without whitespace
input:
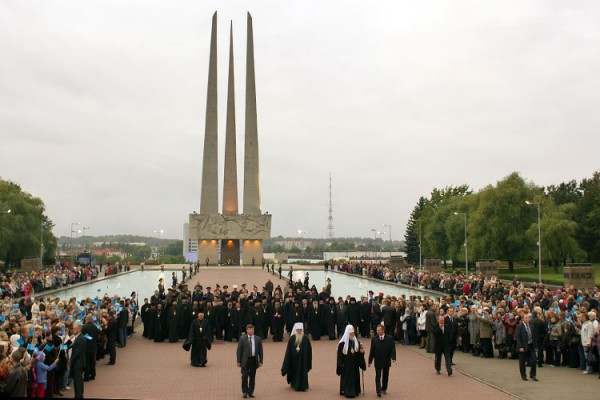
{"x":238,"y":237}
{"x":209,"y":197}
{"x":230,"y":248}
{"x":251,"y":177}
{"x":230,"y":193}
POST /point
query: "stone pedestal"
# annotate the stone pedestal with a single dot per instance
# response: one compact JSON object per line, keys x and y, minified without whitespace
{"x":488,"y":268}
{"x":582,"y":276}
{"x":396,"y":262}
{"x":30,"y":264}
{"x":432,"y":264}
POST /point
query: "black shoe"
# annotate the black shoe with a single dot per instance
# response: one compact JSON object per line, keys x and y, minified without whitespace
{"x":437,"y":372}
{"x":244,"y":396}
{"x":533,"y":378}
{"x":251,"y":395}
{"x":449,"y":373}
{"x":110,"y":363}
{"x":524,"y":379}
{"x":378,"y":394}
{"x":384,"y":391}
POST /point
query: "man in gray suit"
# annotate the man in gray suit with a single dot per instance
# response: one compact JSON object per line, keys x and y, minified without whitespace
{"x":249,"y":358}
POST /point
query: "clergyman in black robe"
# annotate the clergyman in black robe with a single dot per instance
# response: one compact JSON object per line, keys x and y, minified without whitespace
{"x":174,"y":322}
{"x":298,"y":359}
{"x":160,"y":322}
{"x":277,"y":322}
{"x":187,"y":315}
{"x":199,"y":341}
{"x":144,"y":313}
{"x":330,"y":318}
{"x":350,"y":360}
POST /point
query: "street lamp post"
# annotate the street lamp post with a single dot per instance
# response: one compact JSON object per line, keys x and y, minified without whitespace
{"x":381,"y":234}
{"x":159,"y":233}
{"x":420,"y":242}
{"x":465,"y":244}
{"x":539,"y":243}
{"x":389,"y":226}
{"x":72,"y":225}
{"x":85,"y":228}
{"x":374,"y":237}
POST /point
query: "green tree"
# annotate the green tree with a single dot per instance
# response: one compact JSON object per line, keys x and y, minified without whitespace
{"x":21,"y":231}
{"x":558,"y":233}
{"x":587,"y":216}
{"x":498,"y":226}
{"x":412,"y":235}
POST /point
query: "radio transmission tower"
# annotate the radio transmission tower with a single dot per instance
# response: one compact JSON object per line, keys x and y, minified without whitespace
{"x":330,"y":219}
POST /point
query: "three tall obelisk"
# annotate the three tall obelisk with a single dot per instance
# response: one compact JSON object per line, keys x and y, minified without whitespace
{"x":230,"y":238}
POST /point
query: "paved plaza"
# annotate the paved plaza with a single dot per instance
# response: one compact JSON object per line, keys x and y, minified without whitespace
{"x":148,"y":370}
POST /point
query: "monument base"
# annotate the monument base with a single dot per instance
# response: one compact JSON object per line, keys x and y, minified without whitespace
{"x":252,"y":249}
{"x":208,"y":249}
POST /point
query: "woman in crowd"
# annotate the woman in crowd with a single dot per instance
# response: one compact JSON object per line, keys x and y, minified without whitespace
{"x":463,"y":330}
{"x":500,"y":333}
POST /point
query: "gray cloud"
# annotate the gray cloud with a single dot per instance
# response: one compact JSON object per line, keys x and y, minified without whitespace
{"x":102,"y":105}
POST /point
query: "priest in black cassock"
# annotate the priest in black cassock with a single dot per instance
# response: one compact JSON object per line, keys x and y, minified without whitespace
{"x":298,"y":359}
{"x":173,"y":322}
{"x":199,"y":341}
{"x":350,"y":359}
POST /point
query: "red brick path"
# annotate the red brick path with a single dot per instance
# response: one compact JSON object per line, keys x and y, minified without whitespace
{"x":148,"y":370}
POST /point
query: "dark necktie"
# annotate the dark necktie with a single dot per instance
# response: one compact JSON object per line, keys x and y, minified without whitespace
{"x":529,"y":338}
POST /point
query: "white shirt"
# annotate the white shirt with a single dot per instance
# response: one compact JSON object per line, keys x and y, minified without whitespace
{"x":252,"y":345}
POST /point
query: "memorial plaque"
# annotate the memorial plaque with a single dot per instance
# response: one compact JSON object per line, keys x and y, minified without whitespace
{"x":581,"y":275}
{"x":433,"y":264}
{"x":30,"y":264}
{"x":487,"y":268}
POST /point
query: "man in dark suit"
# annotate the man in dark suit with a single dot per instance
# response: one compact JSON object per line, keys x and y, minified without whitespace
{"x":451,"y":323}
{"x":77,"y":361}
{"x":249,"y":358}
{"x":111,"y":337}
{"x":123,"y":322}
{"x":443,"y":337}
{"x":91,"y":347}
{"x":388,"y":315}
{"x":525,"y":336}
{"x":383,"y":351}
{"x":539,"y":332}
{"x":341,"y":316}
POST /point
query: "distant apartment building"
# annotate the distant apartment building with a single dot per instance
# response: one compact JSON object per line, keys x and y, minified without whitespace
{"x":190,"y":246}
{"x":298,"y":243}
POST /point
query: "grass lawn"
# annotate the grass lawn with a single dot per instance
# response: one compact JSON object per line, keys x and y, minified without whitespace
{"x":530,"y":274}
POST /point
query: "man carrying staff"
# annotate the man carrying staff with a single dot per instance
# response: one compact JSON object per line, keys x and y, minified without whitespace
{"x":350,"y":359}
{"x":298,"y":359}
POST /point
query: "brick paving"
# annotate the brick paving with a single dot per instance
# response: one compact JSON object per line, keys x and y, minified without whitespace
{"x":148,"y":370}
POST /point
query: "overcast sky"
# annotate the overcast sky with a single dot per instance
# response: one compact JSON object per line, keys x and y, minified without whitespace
{"x":102,"y":105}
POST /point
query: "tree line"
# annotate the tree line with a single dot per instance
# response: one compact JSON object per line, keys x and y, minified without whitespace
{"x":502,"y":225}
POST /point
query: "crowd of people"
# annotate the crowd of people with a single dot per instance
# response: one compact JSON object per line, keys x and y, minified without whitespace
{"x":487,"y":313}
{"x":48,"y":344}
{"x":24,"y":284}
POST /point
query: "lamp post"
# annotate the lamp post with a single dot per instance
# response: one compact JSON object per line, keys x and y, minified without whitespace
{"x":420,"y":258}
{"x":465,"y":244}
{"x":389,"y":226}
{"x":72,"y":225}
{"x":85,"y":228}
{"x":159,"y":233}
{"x":375,"y":238}
{"x":42,"y":244}
{"x":539,"y":243}
{"x":381,"y":234}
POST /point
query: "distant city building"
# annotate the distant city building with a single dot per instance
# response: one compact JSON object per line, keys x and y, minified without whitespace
{"x":297,"y":243}
{"x":190,"y":246}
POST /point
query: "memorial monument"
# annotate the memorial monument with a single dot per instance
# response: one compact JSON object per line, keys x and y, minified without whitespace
{"x":229,"y":237}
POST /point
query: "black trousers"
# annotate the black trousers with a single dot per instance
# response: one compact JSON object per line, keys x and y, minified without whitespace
{"x":527,"y":356}
{"x":78,"y":382}
{"x":447,"y":359}
{"x":90,"y":365}
{"x":248,"y":375}
{"x":381,"y":378}
{"x":112,"y":351}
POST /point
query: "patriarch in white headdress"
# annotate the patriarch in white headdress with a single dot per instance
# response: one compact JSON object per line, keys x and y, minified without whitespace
{"x":349,"y":336}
